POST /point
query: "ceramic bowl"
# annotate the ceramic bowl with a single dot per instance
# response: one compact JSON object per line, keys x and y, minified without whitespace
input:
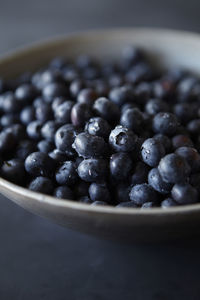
{"x":165,"y":47}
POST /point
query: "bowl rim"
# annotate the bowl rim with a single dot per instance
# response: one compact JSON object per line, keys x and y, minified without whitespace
{"x":70,"y":204}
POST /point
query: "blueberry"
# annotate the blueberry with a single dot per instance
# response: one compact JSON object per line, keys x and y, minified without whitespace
{"x":98,"y":126}
{"x":173,"y":168}
{"x":58,"y":63}
{"x":9,"y":103}
{"x":195,"y":181}
{"x":185,"y":112}
{"x":194,"y":127}
{"x":40,"y":164}
{"x":43,"y":112}
{"x":128,"y":106}
{"x":165,"y":123}
{"x":66,"y":173}
{"x":127,"y":204}
{"x":167,"y":203}
{"x":63,"y":192}
{"x":7,"y":141}
{"x":138,"y":73}
{"x":99,"y":192}
{"x":120,"y":166}
{"x":41,"y":185}
{"x":107,"y":110}
{"x":116,"y":80}
{"x":122,"y":192}
{"x":9,"y":119}
{"x":132,"y":55}
{"x":184,"y":194}
{"x":140,"y":173}
{"x":152,"y":151}
{"x":142,"y":193}
{"x":93,"y":170}
{"x":154,"y":106}
{"x":45,"y":146}
{"x":80,"y":114}
{"x":48,"y":130}
{"x":181,"y":140}
{"x":62,"y":112}
{"x":101,"y":203}
{"x":87,"y":145}
{"x":101,"y":88}
{"x":87,"y":96}
{"x":64,"y":138}
{"x":163,"y":89}
{"x":70,"y":74}
{"x":18,"y":131}
{"x":50,"y":76}
{"x":84,"y":61}
{"x":148,"y":205}
{"x":13,"y":170}
{"x":85,"y":199}
{"x":81,"y":189}
{"x":164,"y":140}
{"x":76,"y":86}
{"x":34,"y":130}
{"x":121,"y":95}
{"x":25,"y":93}
{"x":122,"y":139}
{"x":133,"y":119}
{"x":192,"y":157}
{"x":56,"y":102}
{"x":27,"y":115}
{"x":53,"y":90}
{"x":156,"y":182}
{"x":142,"y":92}
{"x":58,"y":156}
{"x":38,"y":102}
{"x":24,"y":148}
{"x":185,"y":87}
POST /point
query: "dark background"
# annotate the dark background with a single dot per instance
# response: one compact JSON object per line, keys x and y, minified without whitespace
{"x":40,"y":260}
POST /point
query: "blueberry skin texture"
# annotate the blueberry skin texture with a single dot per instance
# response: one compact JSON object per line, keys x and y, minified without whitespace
{"x":98,"y":126}
{"x":9,"y":103}
{"x":80,"y":114}
{"x":133,"y":119}
{"x":127,"y":204}
{"x":40,"y":164}
{"x":107,"y":110}
{"x":27,"y":115}
{"x":43,"y":112}
{"x":76,"y":86}
{"x":164,"y":140}
{"x":156,"y":182}
{"x":13,"y":170}
{"x":122,"y":192}
{"x":194,"y":127}
{"x":192,"y":157}
{"x":34,"y":130}
{"x":167,"y":203}
{"x":53,"y":90}
{"x":165,"y":123}
{"x":81,"y":189}
{"x":66,"y":173}
{"x":58,"y":156}
{"x":99,"y":192}
{"x":7,"y":141}
{"x":154,"y":106}
{"x":41,"y":185}
{"x":62,"y":113}
{"x":184,"y":194}
{"x":121,"y":95}
{"x":120,"y":166}
{"x":89,"y":146}
{"x":93,"y":170}
{"x":140,"y":173}
{"x":48,"y":130}
{"x":65,"y":137}
{"x":25,"y":93}
{"x":181,"y":141}
{"x":63,"y":192}
{"x":152,"y":151}
{"x":122,"y":139}
{"x":195,"y":181}
{"x":24,"y":148}
{"x":87,"y":96}
{"x":142,"y":193}
{"x":173,"y":168}
{"x":45,"y":146}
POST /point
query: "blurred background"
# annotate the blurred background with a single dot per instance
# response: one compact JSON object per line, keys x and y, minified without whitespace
{"x":40,"y":260}
{"x":23,"y":21}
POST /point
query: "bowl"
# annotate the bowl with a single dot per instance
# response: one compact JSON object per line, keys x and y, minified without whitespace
{"x":165,"y":47}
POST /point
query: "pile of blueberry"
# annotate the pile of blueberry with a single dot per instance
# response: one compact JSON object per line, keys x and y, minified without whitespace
{"x":119,"y":133}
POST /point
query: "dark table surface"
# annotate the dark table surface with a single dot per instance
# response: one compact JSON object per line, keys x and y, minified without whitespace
{"x":40,"y":260}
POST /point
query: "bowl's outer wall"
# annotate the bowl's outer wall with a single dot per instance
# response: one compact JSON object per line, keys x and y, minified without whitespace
{"x":164,"y":47}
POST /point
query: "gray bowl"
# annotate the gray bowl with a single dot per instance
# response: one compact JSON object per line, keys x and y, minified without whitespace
{"x":165,"y":47}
